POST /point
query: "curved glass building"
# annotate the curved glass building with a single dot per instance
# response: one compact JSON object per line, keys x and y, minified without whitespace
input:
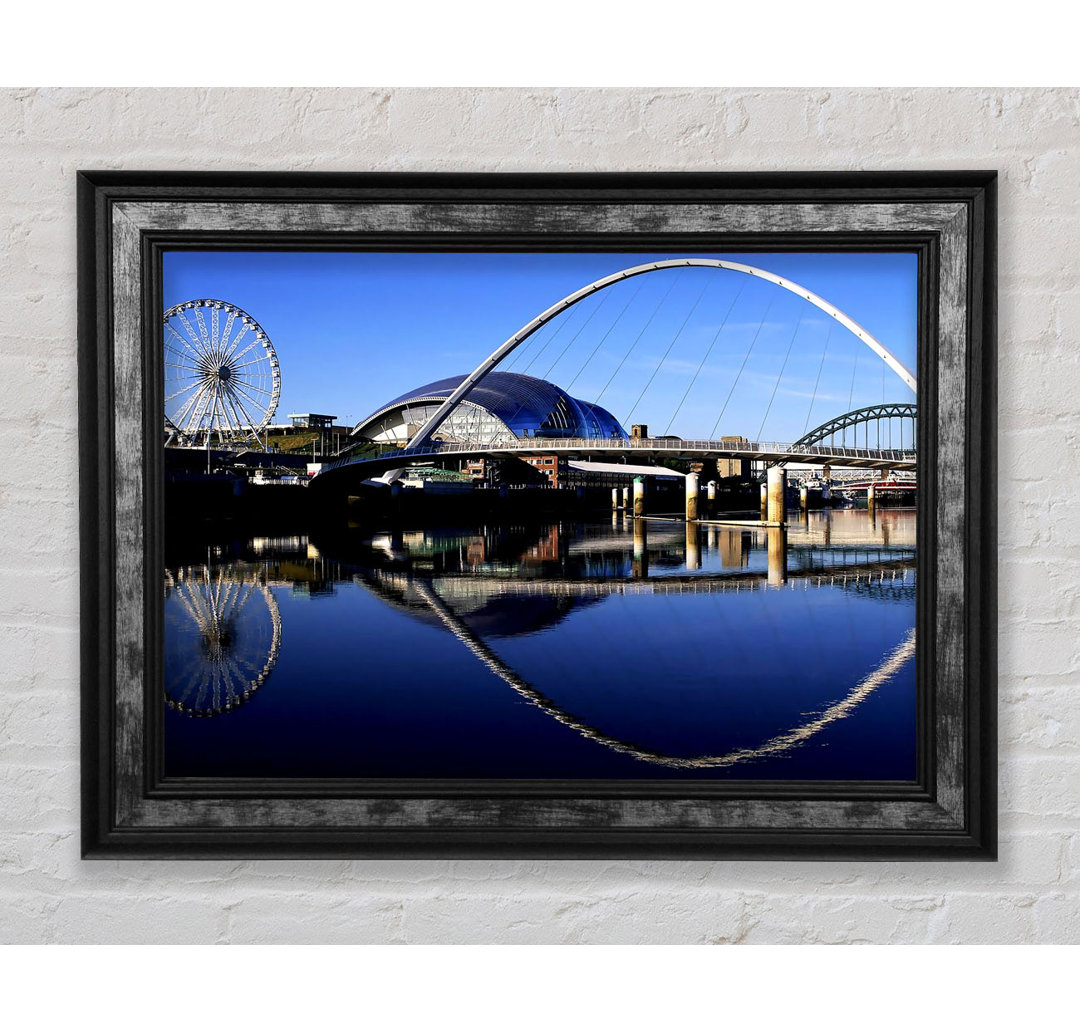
{"x":503,"y":406}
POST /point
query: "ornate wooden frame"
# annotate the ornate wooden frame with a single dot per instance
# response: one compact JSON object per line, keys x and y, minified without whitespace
{"x":126,"y":220}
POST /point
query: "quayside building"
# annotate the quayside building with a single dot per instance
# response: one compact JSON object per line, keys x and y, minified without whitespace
{"x":502,"y":407}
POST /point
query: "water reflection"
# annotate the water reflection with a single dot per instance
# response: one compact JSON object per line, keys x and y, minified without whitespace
{"x":671,"y":647}
{"x":222,"y":637}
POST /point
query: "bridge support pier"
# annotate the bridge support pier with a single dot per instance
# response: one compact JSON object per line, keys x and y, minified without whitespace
{"x":692,"y":487}
{"x":614,"y":498}
{"x":626,"y":498}
{"x":764,"y":502}
{"x":711,"y":506}
{"x":871,"y":499}
{"x":777,"y":551}
{"x":804,"y":498}
{"x":639,"y":496}
{"x":777,"y":495}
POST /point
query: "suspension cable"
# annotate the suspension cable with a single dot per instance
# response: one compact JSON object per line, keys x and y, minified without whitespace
{"x":641,"y":332}
{"x":817,"y":380}
{"x":663,"y":359}
{"x":547,"y":344}
{"x":610,"y":330}
{"x":603,"y":301}
{"x":716,"y":337}
{"x":779,"y":377}
{"x":596,"y":309}
{"x":738,"y":376}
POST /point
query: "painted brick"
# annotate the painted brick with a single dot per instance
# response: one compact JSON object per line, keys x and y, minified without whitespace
{"x":47,"y":894}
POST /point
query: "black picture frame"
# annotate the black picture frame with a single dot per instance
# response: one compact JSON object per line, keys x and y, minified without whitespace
{"x":125,"y":222}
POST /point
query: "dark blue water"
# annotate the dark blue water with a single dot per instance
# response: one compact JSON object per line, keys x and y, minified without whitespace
{"x":604,"y":650}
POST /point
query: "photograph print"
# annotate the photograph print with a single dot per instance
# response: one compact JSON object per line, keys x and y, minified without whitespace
{"x":530,"y":515}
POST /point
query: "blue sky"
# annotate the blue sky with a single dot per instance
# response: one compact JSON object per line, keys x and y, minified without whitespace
{"x":695,"y":352}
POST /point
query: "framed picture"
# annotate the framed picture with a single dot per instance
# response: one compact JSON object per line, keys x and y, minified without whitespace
{"x":538,"y":515}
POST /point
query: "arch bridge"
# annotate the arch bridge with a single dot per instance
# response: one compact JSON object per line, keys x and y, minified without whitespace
{"x":425,"y":433}
{"x":809,"y":449}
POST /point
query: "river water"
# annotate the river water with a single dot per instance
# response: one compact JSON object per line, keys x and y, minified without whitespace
{"x":614,"y":649}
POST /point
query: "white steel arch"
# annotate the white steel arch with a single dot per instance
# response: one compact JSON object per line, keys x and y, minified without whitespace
{"x":433,"y":423}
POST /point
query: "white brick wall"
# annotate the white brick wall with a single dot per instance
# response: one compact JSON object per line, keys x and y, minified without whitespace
{"x":1031,"y":895}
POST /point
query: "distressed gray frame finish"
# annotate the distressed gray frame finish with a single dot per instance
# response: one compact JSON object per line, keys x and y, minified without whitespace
{"x":138,"y":821}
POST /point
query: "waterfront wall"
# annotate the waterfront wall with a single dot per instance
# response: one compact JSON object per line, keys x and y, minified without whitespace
{"x":47,"y":894}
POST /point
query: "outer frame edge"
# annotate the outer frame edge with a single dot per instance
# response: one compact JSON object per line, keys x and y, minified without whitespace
{"x":100,"y":840}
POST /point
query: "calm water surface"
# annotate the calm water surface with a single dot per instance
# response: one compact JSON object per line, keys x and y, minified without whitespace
{"x":612,"y":649}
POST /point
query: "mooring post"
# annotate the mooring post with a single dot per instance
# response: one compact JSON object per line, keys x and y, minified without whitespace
{"x":777,"y":488}
{"x":692,"y":485}
{"x":614,"y":498}
{"x":804,"y":497}
{"x":764,"y":501}
{"x":710,"y":490}
{"x":626,"y":498}
{"x":639,"y":496}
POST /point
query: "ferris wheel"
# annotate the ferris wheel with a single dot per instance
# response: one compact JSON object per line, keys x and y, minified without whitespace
{"x":222,"y":377}
{"x":222,"y":638}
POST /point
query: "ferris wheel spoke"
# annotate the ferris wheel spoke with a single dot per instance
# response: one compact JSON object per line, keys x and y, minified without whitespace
{"x":192,"y":402}
{"x":214,"y":327}
{"x":191,"y":345}
{"x":203,"y":335}
{"x":242,"y":333}
{"x":215,"y":423}
{"x":241,"y":417}
{"x":197,"y":606}
{"x":250,"y":397}
{"x":253,"y":362}
{"x":247,"y":668}
{"x":241,"y":598}
{"x":184,"y":366}
{"x":182,"y":391}
{"x":252,"y":382}
{"x":185,"y":323}
{"x":225,"y":601}
{"x":199,"y":415}
{"x":227,"y":400}
{"x":237,"y":677}
{"x":223,"y":340}
{"x":188,"y":356}
{"x":233,"y":355}
{"x":234,"y":395}
{"x":189,"y":674}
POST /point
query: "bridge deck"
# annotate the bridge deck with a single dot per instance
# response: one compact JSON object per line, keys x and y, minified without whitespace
{"x":638,"y":448}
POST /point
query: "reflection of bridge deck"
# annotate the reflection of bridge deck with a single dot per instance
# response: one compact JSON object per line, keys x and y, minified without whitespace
{"x":639,"y":448}
{"x":874,"y":573}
